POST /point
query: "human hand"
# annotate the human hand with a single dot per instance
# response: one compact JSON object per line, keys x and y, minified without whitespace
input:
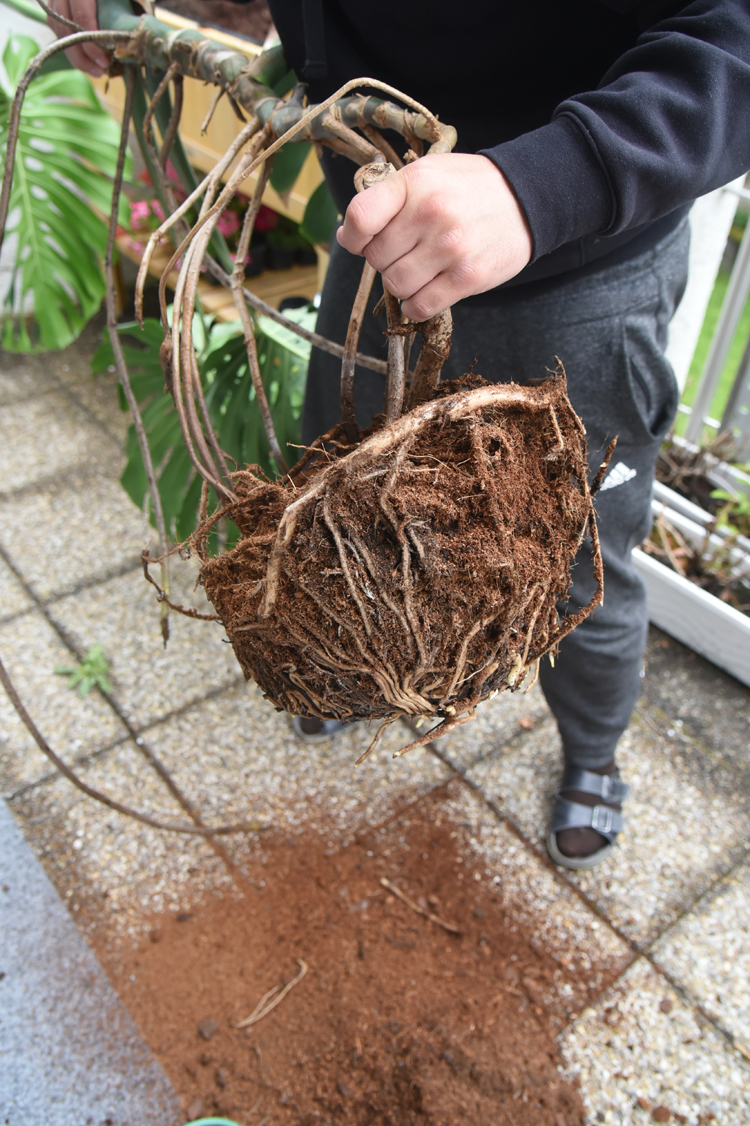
{"x":439,"y":229}
{"x":88,"y":57}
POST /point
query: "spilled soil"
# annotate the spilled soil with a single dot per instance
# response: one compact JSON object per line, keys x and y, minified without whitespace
{"x":397,"y":1020}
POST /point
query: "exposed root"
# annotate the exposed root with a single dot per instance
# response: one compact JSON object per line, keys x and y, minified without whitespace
{"x":418,"y":572}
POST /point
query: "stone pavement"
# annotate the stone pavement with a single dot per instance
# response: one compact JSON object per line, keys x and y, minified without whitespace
{"x":669,"y":913}
{"x":69,"y":1052}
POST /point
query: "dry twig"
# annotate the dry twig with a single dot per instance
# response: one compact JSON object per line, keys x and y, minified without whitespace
{"x":419,"y":910}
{"x":271,"y":999}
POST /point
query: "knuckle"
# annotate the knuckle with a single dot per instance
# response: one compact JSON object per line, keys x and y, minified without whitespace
{"x":450,"y":240}
{"x":433,"y":208}
{"x":466,"y":274}
{"x":421,"y":308}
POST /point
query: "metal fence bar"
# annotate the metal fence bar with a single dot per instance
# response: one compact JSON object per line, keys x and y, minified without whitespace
{"x":731,"y":311}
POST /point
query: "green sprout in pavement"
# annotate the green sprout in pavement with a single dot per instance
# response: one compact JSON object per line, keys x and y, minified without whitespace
{"x":91,"y":673}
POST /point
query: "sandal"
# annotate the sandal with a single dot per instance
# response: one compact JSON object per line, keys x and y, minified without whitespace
{"x":567,"y":814}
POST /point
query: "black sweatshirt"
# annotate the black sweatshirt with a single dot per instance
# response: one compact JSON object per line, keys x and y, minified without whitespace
{"x":607,"y":117}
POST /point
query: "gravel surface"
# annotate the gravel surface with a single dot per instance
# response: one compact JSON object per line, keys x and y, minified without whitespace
{"x":75,"y":727}
{"x":686,"y":822}
{"x":150,"y":681}
{"x":709,"y":950}
{"x":52,"y":538}
{"x":641,"y":1042}
{"x":47,"y":436}
{"x":13,"y":598}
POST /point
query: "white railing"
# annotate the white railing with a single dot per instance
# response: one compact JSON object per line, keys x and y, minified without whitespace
{"x":736,"y":416}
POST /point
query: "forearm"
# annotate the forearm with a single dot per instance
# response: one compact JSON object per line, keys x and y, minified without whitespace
{"x":669,"y":121}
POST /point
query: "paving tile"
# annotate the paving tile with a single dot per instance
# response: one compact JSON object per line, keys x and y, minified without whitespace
{"x":240,"y":759}
{"x":72,"y":726}
{"x":692,"y":700}
{"x":13,"y":598}
{"x":686,"y":821}
{"x":497,"y":723}
{"x":708,"y":951}
{"x":105,"y":864}
{"x":83,"y":528}
{"x":21,"y":379}
{"x":149,"y":681}
{"x":47,"y":436}
{"x":99,"y":396}
{"x":628,"y":1048}
{"x":588,"y":952}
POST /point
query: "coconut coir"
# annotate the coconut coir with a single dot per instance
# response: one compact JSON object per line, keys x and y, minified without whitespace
{"x":397,"y":1022}
{"x":417,"y":571}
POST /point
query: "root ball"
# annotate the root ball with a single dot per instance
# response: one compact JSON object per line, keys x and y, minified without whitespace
{"x":417,"y":572}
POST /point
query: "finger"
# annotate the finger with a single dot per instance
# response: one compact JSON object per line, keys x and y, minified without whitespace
{"x":84,"y":13}
{"x":430,"y":255}
{"x":81,"y":61}
{"x":371,"y":211}
{"x":441,"y":292}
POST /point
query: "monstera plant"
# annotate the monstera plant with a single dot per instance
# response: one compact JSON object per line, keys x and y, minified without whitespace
{"x":62,"y":189}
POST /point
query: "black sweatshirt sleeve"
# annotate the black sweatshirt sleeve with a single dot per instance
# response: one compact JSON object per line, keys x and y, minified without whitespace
{"x":668,"y":122}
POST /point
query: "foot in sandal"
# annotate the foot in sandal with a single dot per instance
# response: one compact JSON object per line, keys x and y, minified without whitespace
{"x":587,"y":816}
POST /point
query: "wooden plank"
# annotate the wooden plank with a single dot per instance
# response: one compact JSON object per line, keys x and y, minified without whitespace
{"x":697,"y":619}
{"x":272,"y":286}
{"x":204,"y":150}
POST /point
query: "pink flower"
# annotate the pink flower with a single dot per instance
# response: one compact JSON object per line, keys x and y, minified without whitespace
{"x":139,"y":213}
{"x":158,"y":210}
{"x":229,"y":222}
{"x":266,"y":219}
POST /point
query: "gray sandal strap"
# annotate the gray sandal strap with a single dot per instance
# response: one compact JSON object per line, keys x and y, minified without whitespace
{"x":572,"y":815}
{"x":608,"y":787}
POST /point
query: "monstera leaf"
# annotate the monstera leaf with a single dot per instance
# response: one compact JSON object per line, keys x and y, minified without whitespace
{"x":231,"y":400}
{"x":56,"y":236}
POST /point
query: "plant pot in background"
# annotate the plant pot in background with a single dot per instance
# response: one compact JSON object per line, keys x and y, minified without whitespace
{"x":258,"y":260}
{"x":280,"y":257}
{"x":698,"y":619}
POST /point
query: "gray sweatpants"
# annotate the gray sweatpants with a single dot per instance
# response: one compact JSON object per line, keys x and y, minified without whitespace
{"x":608,"y":325}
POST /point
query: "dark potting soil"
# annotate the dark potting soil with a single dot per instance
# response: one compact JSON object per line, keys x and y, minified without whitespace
{"x":396,"y":1021}
{"x":421,"y":572}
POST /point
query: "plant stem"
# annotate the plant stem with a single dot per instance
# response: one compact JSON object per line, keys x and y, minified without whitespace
{"x":114,"y":339}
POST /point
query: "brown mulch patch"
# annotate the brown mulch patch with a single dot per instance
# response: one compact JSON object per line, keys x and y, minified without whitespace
{"x":397,"y":1022}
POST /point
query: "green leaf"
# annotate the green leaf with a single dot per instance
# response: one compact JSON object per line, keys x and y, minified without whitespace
{"x":91,"y":673}
{"x":288,"y":164}
{"x":231,"y":401}
{"x":321,"y":216}
{"x":65,"y":160}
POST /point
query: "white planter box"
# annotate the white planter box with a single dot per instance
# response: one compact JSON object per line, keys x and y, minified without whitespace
{"x":685,"y":611}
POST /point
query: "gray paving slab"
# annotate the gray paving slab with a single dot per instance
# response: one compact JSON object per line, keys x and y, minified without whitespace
{"x":108,"y":867}
{"x":708,"y":951}
{"x":69,"y":1053}
{"x":13,"y":598}
{"x":74,"y":726}
{"x":99,"y":397}
{"x":499,"y":722}
{"x":642,"y":1042}
{"x":240,"y":759}
{"x":692,"y":701}
{"x":686,"y":824}
{"x":150,"y":681}
{"x":47,"y":436}
{"x":79,"y":529}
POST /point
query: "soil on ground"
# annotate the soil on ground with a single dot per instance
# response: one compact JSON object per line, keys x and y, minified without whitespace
{"x":396,"y":1022}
